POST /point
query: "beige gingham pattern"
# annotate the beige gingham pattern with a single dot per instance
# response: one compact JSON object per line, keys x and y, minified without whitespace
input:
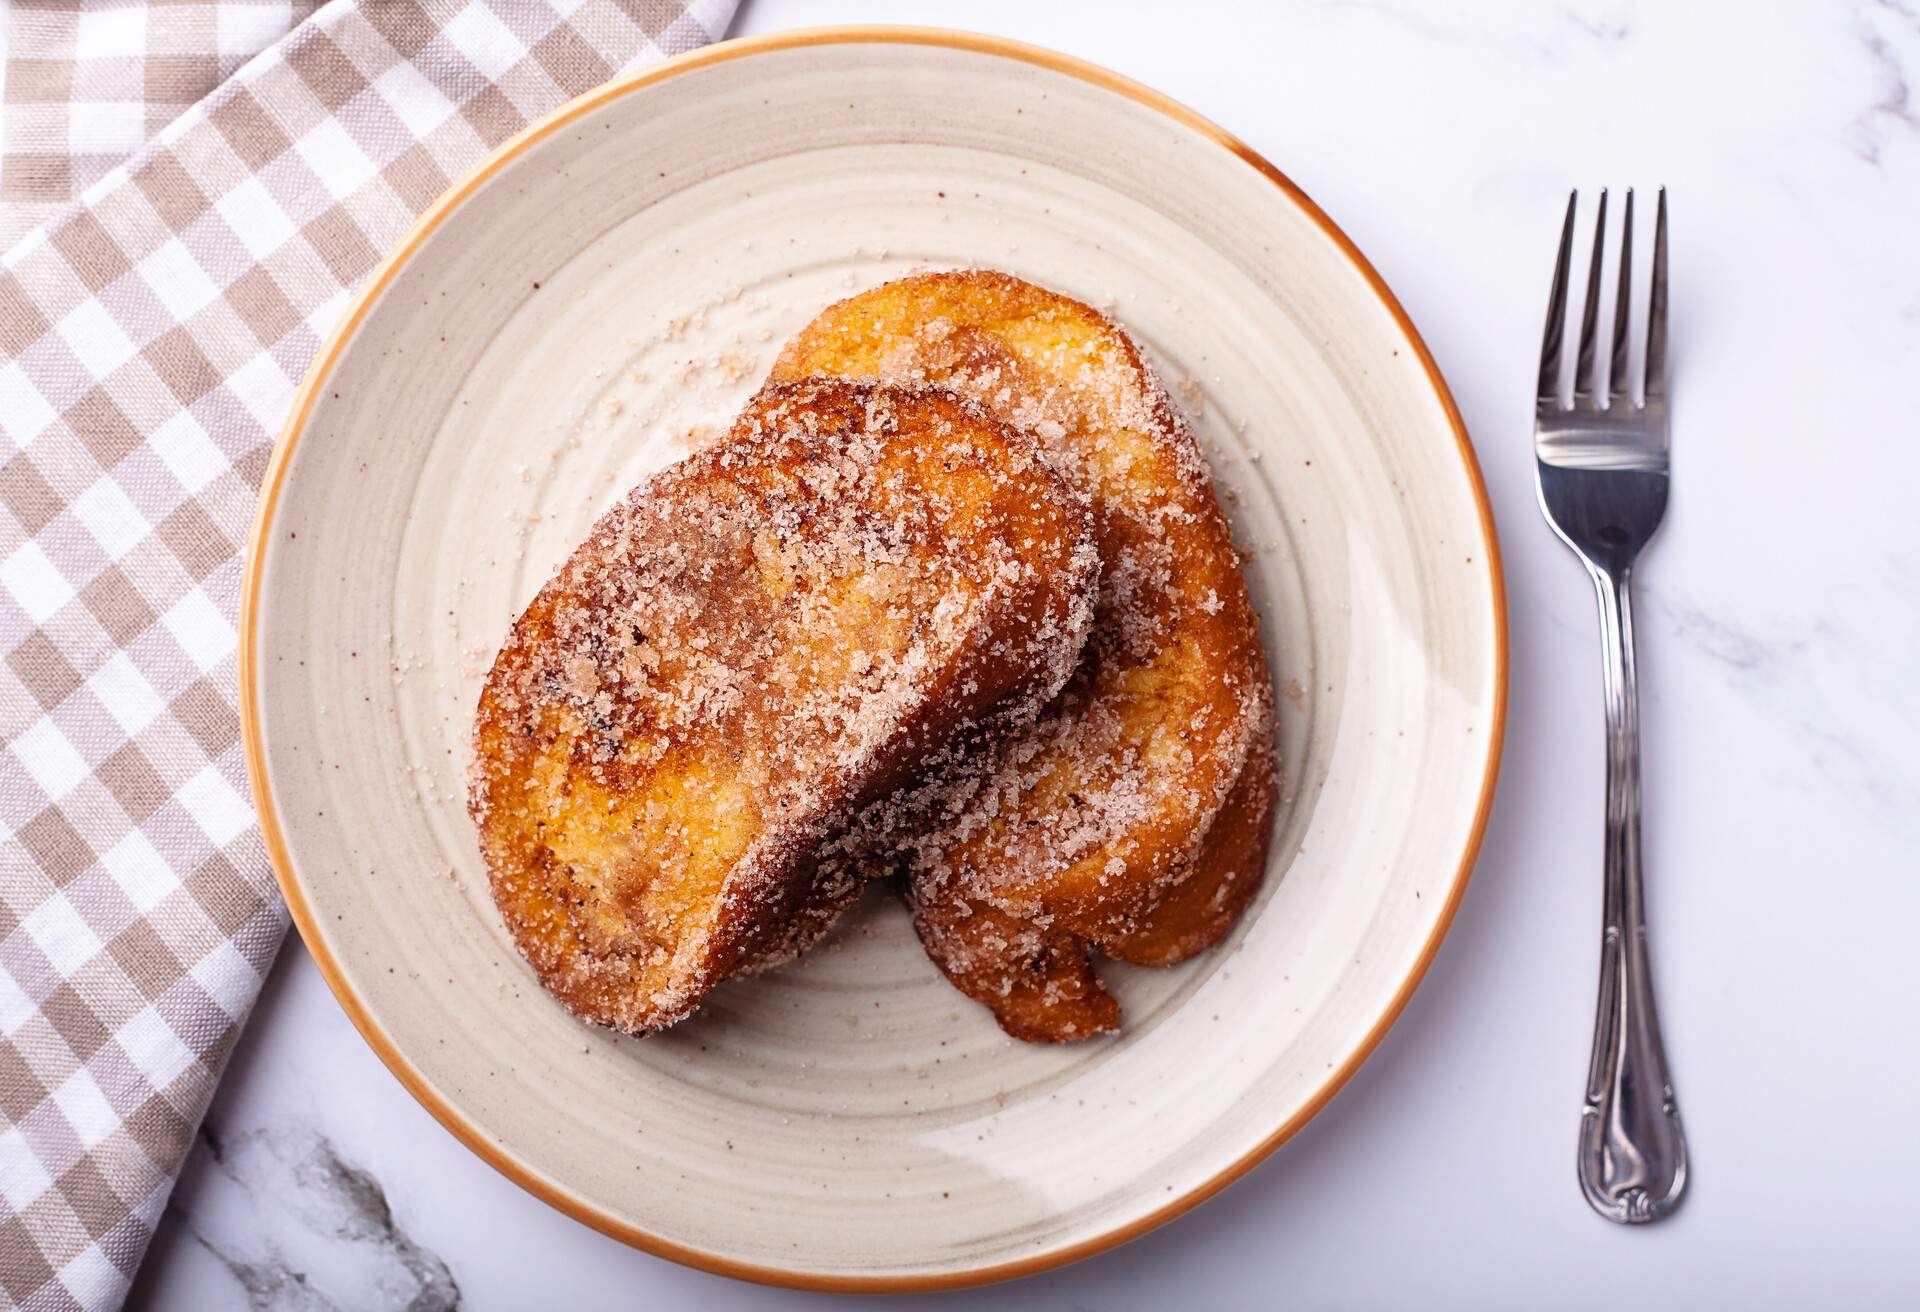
{"x":88,"y":84}
{"x":151,"y":337}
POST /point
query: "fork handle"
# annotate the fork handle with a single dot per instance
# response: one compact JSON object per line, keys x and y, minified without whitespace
{"x":1633,"y":1156}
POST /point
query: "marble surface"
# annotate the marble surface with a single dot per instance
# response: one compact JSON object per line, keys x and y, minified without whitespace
{"x":1779,"y":622}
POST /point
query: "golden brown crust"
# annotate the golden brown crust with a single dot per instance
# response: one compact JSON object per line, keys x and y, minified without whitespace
{"x":1039,"y":981}
{"x":1225,"y":875}
{"x":756,"y":642}
{"x":1134,"y":811}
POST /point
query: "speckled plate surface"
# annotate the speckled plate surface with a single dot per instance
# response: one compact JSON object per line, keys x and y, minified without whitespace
{"x":614,"y":283}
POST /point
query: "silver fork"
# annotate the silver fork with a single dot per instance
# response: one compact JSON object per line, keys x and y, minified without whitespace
{"x":1602,"y":469}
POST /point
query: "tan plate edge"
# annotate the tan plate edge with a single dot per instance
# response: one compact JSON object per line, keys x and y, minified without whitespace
{"x":471,"y":1135}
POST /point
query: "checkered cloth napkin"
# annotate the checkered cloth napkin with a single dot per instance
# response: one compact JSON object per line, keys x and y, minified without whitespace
{"x":239,"y":167}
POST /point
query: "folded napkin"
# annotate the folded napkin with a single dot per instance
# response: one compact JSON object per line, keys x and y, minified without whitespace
{"x":239,"y":168}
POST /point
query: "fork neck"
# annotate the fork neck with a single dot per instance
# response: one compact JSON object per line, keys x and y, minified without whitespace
{"x":1612,"y":585}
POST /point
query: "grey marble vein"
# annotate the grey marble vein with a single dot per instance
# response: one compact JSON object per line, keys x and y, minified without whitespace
{"x":1606,"y":24}
{"x":1892,"y":106}
{"x":1786,"y":676}
{"x":1602,"y":28}
{"x":1725,"y":641}
{"x":301,"y":1229}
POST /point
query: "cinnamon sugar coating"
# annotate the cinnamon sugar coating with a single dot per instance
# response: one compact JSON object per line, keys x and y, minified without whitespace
{"x":753,"y":646}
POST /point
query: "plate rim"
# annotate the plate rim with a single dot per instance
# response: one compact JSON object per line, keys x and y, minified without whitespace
{"x":553,"y":1192}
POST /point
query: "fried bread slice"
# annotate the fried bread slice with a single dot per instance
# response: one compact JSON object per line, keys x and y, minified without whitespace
{"x":753,"y":644}
{"x":1132,"y":815}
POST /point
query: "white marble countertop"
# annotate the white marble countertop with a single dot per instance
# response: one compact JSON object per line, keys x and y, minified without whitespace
{"x":1779,"y":629}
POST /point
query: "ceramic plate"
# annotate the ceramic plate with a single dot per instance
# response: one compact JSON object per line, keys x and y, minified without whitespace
{"x":602,"y":293}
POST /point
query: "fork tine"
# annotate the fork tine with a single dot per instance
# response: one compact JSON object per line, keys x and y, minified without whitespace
{"x":1657,"y":307}
{"x":1585,"y":364}
{"x":1619,"y":386}
{"x":1548,"y":396}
